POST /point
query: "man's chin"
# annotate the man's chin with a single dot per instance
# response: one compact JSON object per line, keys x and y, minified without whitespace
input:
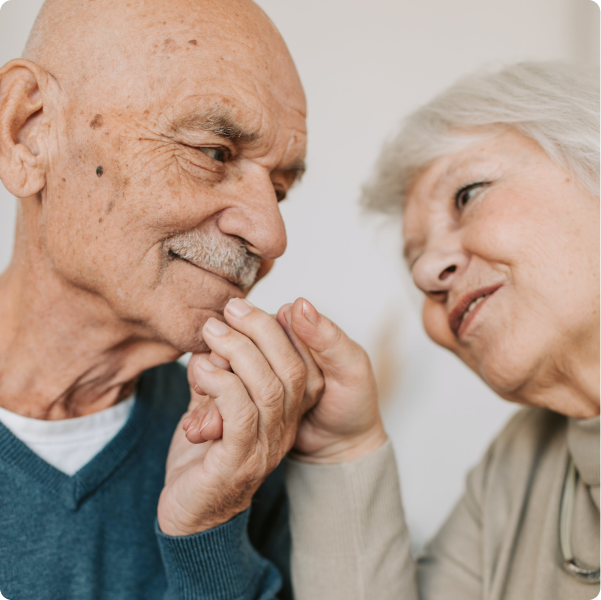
{"x":184,"y":332}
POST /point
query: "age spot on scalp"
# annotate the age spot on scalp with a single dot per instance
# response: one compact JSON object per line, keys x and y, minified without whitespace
{"x":96,"y":122}
{"x":99,"y":171}
{"x":169,"y":45}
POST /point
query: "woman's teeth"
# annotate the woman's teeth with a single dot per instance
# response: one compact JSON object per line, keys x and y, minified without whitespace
{"x":473,"y":305}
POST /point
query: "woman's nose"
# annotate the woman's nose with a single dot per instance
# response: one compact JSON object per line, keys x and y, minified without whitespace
{"x":435,"y":271}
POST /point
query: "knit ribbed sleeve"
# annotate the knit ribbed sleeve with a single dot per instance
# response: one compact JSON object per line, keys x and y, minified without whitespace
{"x":349,"y":538}
{"x":217,"y":564}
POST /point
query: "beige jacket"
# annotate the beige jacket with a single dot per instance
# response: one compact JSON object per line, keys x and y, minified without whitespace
{"x":501,"y":542}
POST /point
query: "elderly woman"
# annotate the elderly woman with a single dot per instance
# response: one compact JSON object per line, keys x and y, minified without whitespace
{"x":497,"y":180}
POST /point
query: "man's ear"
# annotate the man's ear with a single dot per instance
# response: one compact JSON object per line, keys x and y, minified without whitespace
{"x":22,"y":161}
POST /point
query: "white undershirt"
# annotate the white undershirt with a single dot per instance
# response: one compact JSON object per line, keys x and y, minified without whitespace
{"x":69,"y":444}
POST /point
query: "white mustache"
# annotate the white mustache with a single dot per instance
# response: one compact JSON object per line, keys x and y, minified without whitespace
{"x":217,"y":252}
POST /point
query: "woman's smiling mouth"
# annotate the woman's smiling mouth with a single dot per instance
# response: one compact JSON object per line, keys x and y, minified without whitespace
{"x":466,"y":308}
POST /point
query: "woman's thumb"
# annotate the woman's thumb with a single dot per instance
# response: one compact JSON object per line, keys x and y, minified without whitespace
{"x":335,"y":353}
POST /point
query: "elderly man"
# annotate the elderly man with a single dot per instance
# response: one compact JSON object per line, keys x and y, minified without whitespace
{"x":149,"y":143}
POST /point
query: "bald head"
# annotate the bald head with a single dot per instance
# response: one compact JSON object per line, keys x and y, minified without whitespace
{"x":106,"y":45}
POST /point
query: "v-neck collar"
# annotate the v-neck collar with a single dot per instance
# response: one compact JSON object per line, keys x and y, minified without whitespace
{"x":72,"y":490}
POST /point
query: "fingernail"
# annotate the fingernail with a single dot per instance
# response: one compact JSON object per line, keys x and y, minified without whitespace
{"x":198,"y":390}
{"x":310,"y":313}
{"x":193,"y":423}
{"x":216,"y":327}
{"x":207,"y":419}
{"x":204,"y":364}
{"x":239,"y":307}
{"x":288,"y":315}
{"x":186,"y":422}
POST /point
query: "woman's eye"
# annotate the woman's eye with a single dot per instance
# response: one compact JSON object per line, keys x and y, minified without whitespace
{"x":465,"y":194}
{"x":218,"y":154}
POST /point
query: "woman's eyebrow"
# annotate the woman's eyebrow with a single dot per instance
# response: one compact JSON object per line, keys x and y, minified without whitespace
{"x":410,"y":247}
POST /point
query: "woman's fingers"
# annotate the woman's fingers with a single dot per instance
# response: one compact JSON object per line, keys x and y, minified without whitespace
{"x":338,"y":357}
{"x":205,"y":425}
{"x":346,"y":423}
{"x":314,"y":385}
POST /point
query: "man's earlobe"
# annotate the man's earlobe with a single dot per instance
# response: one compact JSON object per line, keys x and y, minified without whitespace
{"x":22,"y":161}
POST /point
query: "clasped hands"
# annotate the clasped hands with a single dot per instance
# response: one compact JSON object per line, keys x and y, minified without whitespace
{"x":268,"y":386}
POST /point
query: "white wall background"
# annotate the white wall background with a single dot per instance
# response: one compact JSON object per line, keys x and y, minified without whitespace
{"x":365,"y":64}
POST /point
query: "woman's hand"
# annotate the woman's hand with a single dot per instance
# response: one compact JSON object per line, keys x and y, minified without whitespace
{"x":254,"y":383}
{"x":345,"y":424}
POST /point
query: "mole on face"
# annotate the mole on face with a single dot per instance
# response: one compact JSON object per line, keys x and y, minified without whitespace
{"x":193,"y":42}
{"x":99,"y":171}
{"x":96,"y":122}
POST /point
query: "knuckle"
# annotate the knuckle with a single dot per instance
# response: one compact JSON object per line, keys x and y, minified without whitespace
{"x":296,"y":376}
{"x":337,"y":336}
{"x":273,"y":391}
{"x":247,"y":415}
{"x":237,"y":342}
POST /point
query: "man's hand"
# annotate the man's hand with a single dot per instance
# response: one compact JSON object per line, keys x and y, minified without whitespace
{"x":345,"y":424}
{"x":254,"y":382}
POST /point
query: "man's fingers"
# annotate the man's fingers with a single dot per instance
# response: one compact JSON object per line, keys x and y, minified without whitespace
{"x":334,"y":352}
{"x":239,"y":413}
{"x":273,"y":343}
{"x":217,"y":360}
{"x":249,"y":364}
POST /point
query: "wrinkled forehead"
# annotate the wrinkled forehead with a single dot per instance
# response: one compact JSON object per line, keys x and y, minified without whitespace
{"x":488,"y":156}
{"x":150,"y":50}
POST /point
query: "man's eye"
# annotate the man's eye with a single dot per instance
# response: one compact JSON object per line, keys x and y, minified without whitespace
{"x":280,"y":194}
{"x":218,"y":154}
{"x":465,"y":194}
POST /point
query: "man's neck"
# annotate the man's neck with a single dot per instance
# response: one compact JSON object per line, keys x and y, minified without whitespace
{"x":63,"y":351}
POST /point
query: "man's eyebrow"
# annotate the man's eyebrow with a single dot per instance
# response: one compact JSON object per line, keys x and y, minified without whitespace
{"x":218,"y":120}
{"x":297,"y":168}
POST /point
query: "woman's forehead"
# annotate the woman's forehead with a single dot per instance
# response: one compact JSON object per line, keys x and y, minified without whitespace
{"x":479,"y":159}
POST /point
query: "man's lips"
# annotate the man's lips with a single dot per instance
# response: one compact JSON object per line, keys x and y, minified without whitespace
{"x":458,"y":319}
{"x":211,"y":272}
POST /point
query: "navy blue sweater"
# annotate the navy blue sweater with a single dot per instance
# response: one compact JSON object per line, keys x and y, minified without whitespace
{"x":95,"y":535}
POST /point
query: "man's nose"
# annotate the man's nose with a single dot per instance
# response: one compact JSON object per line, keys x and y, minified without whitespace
{"x":256,"y":218}
{"x":437,"y":268}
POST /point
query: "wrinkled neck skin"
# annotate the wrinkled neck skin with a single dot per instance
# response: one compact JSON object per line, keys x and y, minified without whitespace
{"x":566,"y":380}
{"x":63,"y":351}
{"x":573,"y":392}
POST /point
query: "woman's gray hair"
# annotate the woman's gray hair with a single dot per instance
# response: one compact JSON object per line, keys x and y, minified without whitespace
{"x":555,"y":104}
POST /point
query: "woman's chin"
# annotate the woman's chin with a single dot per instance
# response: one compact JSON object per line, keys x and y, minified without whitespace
{"x":506,"y":373}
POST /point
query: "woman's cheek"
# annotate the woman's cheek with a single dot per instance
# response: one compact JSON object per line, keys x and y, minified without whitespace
{"x":436,"y":324}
